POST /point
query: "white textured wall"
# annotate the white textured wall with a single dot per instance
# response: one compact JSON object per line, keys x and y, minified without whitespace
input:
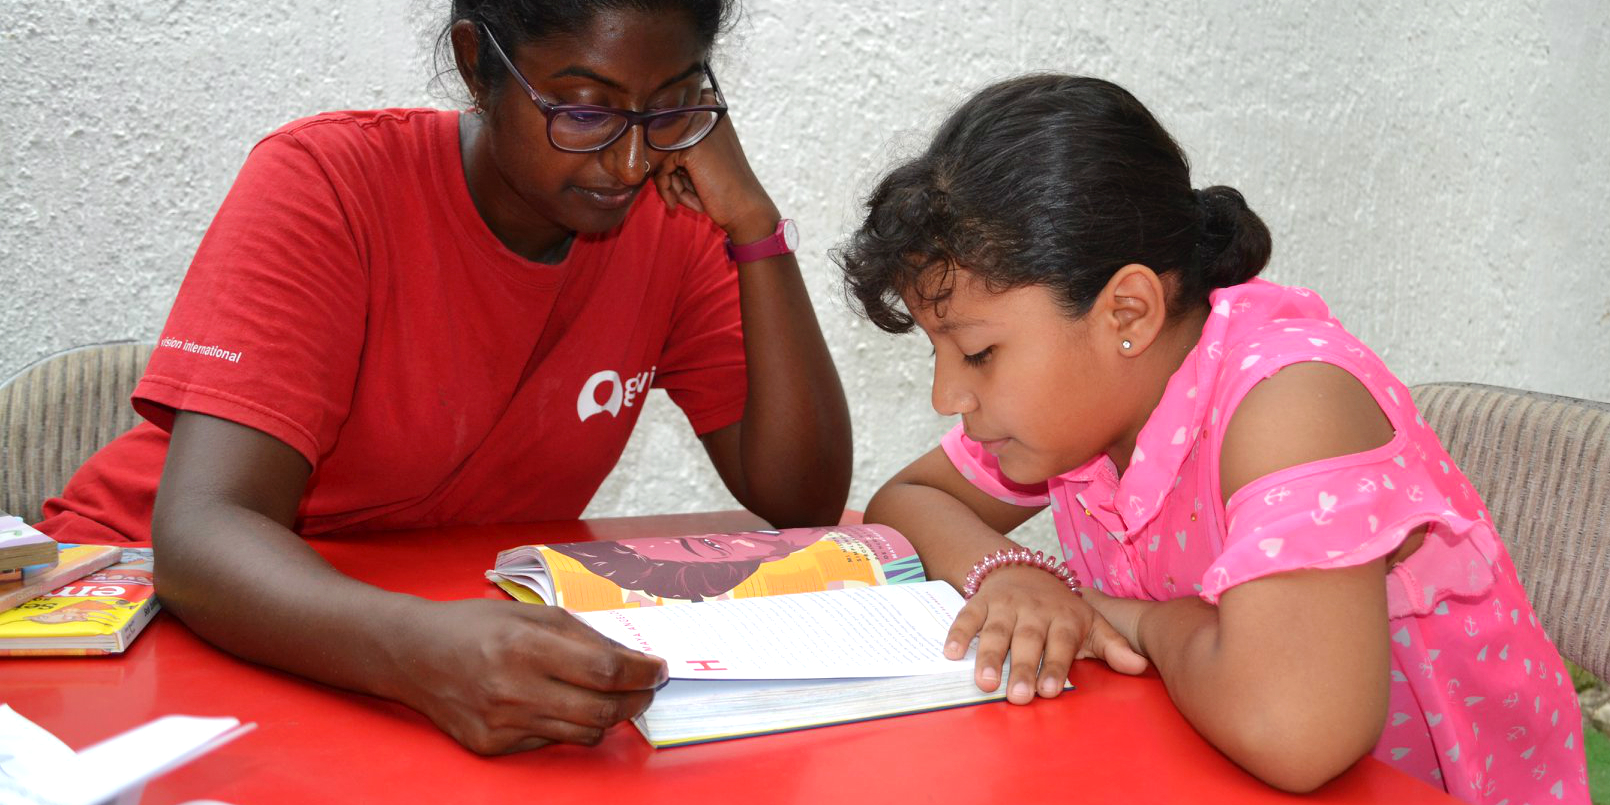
{"x":1438,"y":173}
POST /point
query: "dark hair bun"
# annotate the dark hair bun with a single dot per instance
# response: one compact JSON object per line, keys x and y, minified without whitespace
{"x":1234,"y":245}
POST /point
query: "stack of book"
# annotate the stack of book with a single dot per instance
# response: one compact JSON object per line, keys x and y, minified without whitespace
{"x":70,"y":599}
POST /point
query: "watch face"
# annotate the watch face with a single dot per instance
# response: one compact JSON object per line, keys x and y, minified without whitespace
{"x":790,"y":234}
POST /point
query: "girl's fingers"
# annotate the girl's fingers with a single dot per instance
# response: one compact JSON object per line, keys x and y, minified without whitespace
{"x":964,"y":629}
{"x":1106,"y":644}
{"x":993,"y":641}
{"x":1061,"y":641}
{"x":1028,"y":644}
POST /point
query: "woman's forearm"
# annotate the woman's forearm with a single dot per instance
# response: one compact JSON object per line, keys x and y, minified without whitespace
{"x":794,"y":441}
{"x":253,"y":588}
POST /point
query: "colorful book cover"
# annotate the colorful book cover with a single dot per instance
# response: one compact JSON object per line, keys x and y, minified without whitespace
{"x":98,"y":614}
{"x":72,"y":563}
{"x":653,"y":571}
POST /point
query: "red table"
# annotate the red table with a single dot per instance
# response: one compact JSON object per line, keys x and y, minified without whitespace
{"x":1114,"y":739}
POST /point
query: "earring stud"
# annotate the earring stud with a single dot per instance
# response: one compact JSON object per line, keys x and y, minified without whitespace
{"x":1126,"y":344}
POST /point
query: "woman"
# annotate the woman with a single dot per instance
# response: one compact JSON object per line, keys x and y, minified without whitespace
{"x":415,"y":318}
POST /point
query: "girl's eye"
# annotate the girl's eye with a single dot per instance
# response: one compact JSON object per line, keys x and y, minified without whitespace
{"x":978,"y":358}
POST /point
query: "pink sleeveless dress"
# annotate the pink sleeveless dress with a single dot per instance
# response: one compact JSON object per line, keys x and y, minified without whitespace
{"x":1481,"y":704}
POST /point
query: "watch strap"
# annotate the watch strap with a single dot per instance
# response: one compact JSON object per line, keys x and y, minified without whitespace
{"x":770,"y":246}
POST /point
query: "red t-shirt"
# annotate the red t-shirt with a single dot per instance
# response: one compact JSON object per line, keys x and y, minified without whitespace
{"x":349,"y":301}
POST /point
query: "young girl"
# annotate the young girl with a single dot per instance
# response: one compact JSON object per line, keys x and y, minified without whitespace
{"x":408,"y":318}
{"x":1244,"y":492}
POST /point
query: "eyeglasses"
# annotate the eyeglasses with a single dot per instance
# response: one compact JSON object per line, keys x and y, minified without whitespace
{"x":582,"y":128}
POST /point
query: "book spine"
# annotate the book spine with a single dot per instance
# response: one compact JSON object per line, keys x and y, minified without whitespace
{"x":136,"y":623}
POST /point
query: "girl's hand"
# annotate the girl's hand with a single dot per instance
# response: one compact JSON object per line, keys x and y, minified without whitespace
{"x":1122,"y":614}
{"x":502,"y":677}
{"x":1045,"y":626}
{"x":714,"y":178}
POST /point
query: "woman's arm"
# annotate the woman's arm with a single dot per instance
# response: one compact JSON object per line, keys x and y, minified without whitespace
{"x":1027,"y":610}
{"x":497,"y":675}
{"x":1288,"y":675}
{"x":788,"y":459}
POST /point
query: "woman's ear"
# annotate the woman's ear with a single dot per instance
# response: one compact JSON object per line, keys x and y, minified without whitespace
{"x":1134,"y":309}
{"x":466,"y":40}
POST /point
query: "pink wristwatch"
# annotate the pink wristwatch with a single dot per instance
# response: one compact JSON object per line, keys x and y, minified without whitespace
{"x":784,"y":241}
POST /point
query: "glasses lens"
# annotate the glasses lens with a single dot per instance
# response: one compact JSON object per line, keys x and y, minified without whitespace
{"x":583,"y":130}
{"x":681,"y":130}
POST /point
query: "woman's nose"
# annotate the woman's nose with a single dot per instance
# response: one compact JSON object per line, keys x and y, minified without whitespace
{"x":628,"y":157}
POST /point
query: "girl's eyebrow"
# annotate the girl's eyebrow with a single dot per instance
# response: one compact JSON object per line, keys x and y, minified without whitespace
{"x":583,"y":72}
{"x":953,"y":322}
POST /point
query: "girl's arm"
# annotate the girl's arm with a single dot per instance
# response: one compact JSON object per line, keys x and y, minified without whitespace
{"x":499,"y":676}
{"x":1027,"y":610}
{"x":1288,"y":676}
{"x":788,"y":459}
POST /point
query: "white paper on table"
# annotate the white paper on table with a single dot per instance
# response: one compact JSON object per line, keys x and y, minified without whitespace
{"x":893,"y":630}
{"x":35,"y":766}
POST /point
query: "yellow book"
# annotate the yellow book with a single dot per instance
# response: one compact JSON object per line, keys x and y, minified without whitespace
{"x":100,"y":613}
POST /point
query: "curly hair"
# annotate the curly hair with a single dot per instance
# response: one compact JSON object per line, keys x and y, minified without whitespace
{"x":1051,"y":180}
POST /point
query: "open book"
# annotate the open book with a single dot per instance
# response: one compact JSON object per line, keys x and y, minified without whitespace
{"x":833,"y":625}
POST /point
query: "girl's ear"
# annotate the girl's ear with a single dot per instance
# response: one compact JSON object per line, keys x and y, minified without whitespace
{"x":466,"y":57}
{"x":1134,"y":309}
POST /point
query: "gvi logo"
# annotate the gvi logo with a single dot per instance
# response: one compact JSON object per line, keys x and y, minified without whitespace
{"x":620,"y":393}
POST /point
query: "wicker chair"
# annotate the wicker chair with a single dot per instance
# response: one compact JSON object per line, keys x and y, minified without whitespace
{"x":55,"y":413}
{"x":1542,"y":465}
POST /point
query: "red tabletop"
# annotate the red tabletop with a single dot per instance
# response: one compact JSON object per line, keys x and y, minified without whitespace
{"x":1114,"y":739}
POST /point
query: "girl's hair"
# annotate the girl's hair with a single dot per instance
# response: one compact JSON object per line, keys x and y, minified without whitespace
{"x":516,"y":22}
{"x":1050,"y":180}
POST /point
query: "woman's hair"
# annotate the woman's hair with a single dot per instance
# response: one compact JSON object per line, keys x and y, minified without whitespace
{"x":1051,"y":180}
{"x":516,"y":22}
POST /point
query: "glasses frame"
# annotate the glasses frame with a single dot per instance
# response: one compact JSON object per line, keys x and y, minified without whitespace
{"x":632,"y":118}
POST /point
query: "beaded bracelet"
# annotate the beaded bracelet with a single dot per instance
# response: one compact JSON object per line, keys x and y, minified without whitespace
{"x":1019,"y":556}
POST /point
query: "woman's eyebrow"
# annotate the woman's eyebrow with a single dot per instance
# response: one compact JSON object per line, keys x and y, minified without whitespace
{"x":582,"y":72}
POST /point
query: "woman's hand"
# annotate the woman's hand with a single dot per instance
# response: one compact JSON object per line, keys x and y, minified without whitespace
{"x":502,"y":677}
{"x":714,"y":178}
{"x":1045,"y":626}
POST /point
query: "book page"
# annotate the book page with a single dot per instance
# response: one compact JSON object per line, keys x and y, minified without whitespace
{"x":896,"y":630}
